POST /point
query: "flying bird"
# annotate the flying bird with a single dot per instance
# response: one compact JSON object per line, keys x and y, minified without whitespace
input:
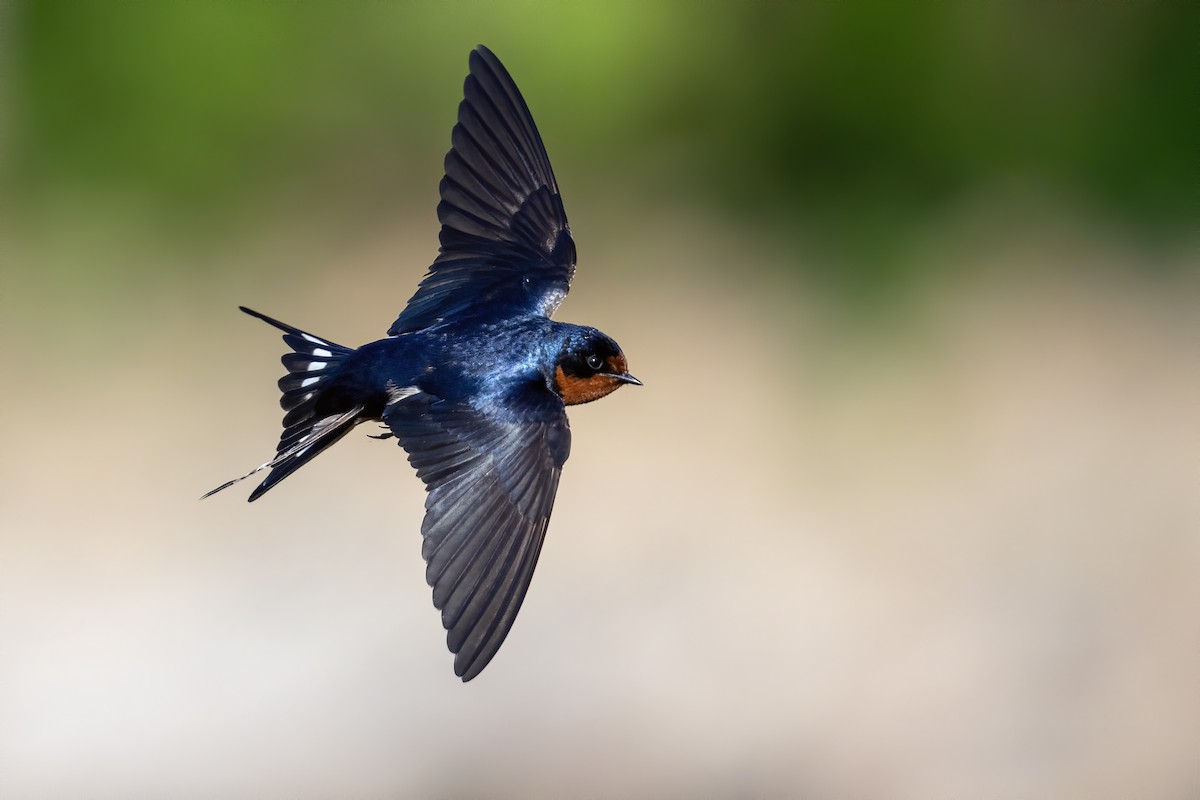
{"x":473,"y":378}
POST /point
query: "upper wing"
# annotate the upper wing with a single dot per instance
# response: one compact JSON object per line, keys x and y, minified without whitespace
{"x":506,"y":248}
{"x":491,"y":487}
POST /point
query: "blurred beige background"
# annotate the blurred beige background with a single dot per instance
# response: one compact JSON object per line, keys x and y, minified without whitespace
{"x":907,"y":507}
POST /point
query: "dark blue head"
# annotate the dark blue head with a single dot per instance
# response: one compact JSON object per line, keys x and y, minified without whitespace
{"x":590,"y":366}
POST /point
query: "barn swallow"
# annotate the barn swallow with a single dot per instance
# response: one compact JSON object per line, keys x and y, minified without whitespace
{"x":473,"y":378}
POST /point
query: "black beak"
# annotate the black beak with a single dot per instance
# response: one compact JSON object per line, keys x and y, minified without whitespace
{"x":625,"y":377}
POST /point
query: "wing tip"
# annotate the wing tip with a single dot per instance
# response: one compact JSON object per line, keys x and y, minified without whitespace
{"x":483,"y":51}
{"x":470,"y":670}
{"x":482,"y":56}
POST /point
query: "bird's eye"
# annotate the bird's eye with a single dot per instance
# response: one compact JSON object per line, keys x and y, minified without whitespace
{"x":595,"y":362}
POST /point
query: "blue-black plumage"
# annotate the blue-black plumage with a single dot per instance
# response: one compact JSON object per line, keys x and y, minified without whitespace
{"x":473,"y":377}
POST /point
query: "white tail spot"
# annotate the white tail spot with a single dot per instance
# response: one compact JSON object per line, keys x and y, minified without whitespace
{"x":321,"y":353}
{"x":308,"y":382}
{"x":313,"y":366}
{"x":313,"y":339}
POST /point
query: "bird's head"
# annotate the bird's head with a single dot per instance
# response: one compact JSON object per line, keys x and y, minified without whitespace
{"x":590,"y":366}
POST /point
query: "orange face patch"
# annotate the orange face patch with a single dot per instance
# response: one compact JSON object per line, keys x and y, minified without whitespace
{"x":616,"y":364}
{"x":574,"y":391}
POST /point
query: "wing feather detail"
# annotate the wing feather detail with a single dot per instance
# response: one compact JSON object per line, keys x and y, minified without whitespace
{"x":491,"y":484}
{"x":506,"y":248}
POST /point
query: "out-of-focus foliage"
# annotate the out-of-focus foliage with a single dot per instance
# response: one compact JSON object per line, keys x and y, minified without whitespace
{"x":850,"y":122}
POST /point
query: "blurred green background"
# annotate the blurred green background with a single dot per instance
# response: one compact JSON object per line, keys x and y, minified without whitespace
{"x":849,"y":126}
{"x":910,"y":496}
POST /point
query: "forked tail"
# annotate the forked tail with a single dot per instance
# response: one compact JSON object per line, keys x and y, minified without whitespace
{"x":309,"y":426}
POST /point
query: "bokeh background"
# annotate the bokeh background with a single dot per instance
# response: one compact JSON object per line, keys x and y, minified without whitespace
{"x":908,"y":507}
